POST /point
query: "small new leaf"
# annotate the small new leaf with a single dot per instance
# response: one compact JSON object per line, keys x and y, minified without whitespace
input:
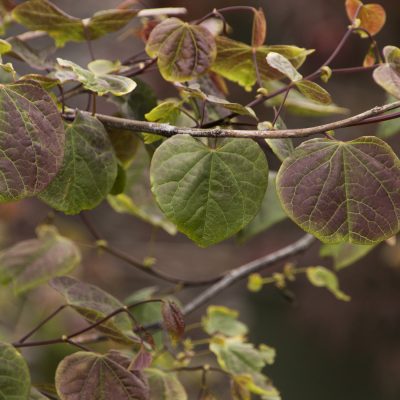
{"x":283,"y":65}
{"x":173,"y":320}
{"x":259,"y":28}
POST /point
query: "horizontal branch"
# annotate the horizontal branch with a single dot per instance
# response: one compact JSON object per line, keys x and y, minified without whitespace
{"x":167,"y":130}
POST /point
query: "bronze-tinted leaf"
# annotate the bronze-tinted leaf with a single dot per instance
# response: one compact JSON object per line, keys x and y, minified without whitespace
{"x":184,"y":51}
{"x":173,"y":319}
{"x":343,"y":191}
{"x":259,"y":28}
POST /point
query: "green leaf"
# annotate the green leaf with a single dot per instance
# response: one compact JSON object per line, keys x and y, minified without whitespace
{"x":43,"y":15}
{"x":323,"y":277}
{"x":5,"y":47}
{"x":166,"y":112}
{"x":223,"y":320}
{"x":270,"y":213}
{"x":91,"y":376}
{"x":14,"y":374}
{"x":164,"y":386}
{"x":30,"y":263}
{"x":345,"y":254}
{"x":102,"y":67}
{"x":89,"y":169}
{"x":94,"y":304}
{"x":297,"y":103}
{"x":322,"y":187}
{"x":137,"y":198}
{"x":235,"y":61}
{"x":184,"y":51}
{"x":209,"y":193}
{"x":32,"y":140}
{"x":314,"y":92}
{"x":387,"y":129}
{"x":283,"y":65}
{"x":125,"y":144}
{"x":282,"y":148}
{"x":98,"y":83}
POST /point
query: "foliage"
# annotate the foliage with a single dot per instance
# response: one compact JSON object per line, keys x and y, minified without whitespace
{"x":183,"y":164}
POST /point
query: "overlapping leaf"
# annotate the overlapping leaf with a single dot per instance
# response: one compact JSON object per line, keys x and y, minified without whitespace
{"x":235,"y":61}
{"x":314,"y":92}
{"x":165,"y":386}
{"x":209,"y":193}
{"x":89,"y":169}
{"x":184,"y":51}
{"x":388,"y":75}
{"x":31,"y":140}
{"x":94,"y":304}
{"x":30,"y":263}
{"x":343,"y":191}
{"x":223,"y":320}
{"x":91,"y":376}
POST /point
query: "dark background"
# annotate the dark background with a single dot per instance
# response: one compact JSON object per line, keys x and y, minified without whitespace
{"x":326,"y":349}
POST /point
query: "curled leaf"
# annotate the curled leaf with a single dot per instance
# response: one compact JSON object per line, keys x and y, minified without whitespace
{"x":173,"y":319}
{"x":259,"y":28}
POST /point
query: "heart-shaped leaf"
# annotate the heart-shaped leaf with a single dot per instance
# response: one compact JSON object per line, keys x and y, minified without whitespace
{"x":94,"y":304}
{"x":209,"y":193}
{"x":91,"y":376}
{"x":184,"y":51}
{"x":165,"y":386}
{"x":31,"y":140}
{"x":30,"y":263}
{"x":372,"y":16}
{"x":15,"y":381}
{"x":343,"y":191}
{"x":88,"y":171}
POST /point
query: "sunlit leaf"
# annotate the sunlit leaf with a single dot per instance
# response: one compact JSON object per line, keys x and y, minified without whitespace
{"x":88,"y":171}
{"x":345,"y":254}
{"x":14,"y":374}
{"x":223,"y":320}
{"x":137,"y":198}
{"x":31,"y":140}
{"x":314,"y":92}
{"x":183,"y":51}
{"x":388,"y":74}
{"x":270,"y":213}
{"x":259,"y":28}
{"x":283,"y":65}
{"x":322,"y":188}
{"x":94,"y":304}
{"x":164,"y":386}
{"x":101,"y":67}
{"x":235,"y":61}
{"x":372,"y":16}
{"x":91,"y":376}
{"x":30,"y":263}
{"x":5,"y":47}
{"x":209,"y":193}
{"x":323,"y":277}
{"x":166,"y":112}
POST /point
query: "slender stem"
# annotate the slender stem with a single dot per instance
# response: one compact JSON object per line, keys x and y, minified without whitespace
{"x":279,"y":111}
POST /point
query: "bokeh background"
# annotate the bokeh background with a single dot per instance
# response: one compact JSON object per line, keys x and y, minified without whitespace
{"x":326,"y":349}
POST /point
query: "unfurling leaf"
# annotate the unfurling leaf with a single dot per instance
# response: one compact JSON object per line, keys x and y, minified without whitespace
{"x":259,"y":28}
{"x":209,"y":193}
{"x":89,"y":169}
{"x":323,"y":277}
{"x":372,"y":16}
{"x":322,"y":187}
{"x":91,"y":376}
{"x":15,"y":381}
{"x":30,"y":263}
{"x":223,"y":320}
{"x":164,"y":385}
{"x":314,"y":92}
{"x":142,"y":360}
{"x":183,"y":51}
{"x":31,"y":140}
{"x":283,"y":65}
{"x":173,"y":319}
{"x":94,"y":304}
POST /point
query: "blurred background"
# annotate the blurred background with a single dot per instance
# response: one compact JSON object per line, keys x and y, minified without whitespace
{"x":326,"y":349}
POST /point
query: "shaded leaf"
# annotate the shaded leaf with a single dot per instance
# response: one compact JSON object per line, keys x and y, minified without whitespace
{"x":259,"y":28}
{"x":372,"y":16}
{"x":388,"y":74}
{"x":36,"y":395}
{"x":173,"y":319}
{"x":389,"y":128}
{"x":321,"y":188}
{"x":223,"y":320}
{"x":125,"y":144}
{"x":314,"y":92}
{"x":91,"y":376}
{"x":143,"y":359}
{"x":94,"y":304}
{"x":30,"y":263}
{"x":282,"y":148}
{"x":14,"y":374}
{"x":137,"y":198}
{"x":235,"y":61}
{"x":270,"y":213}
{"x":323,"y":277}
{"x":165,"y":386}
{"x":31,"y":140}
{"x":183,"y":51}
{"x":283,"y":65}
{"x":209,"y":193}
{"x":345,"y":254}
{"x":98,"y":83}
{"x":89,"y":169}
